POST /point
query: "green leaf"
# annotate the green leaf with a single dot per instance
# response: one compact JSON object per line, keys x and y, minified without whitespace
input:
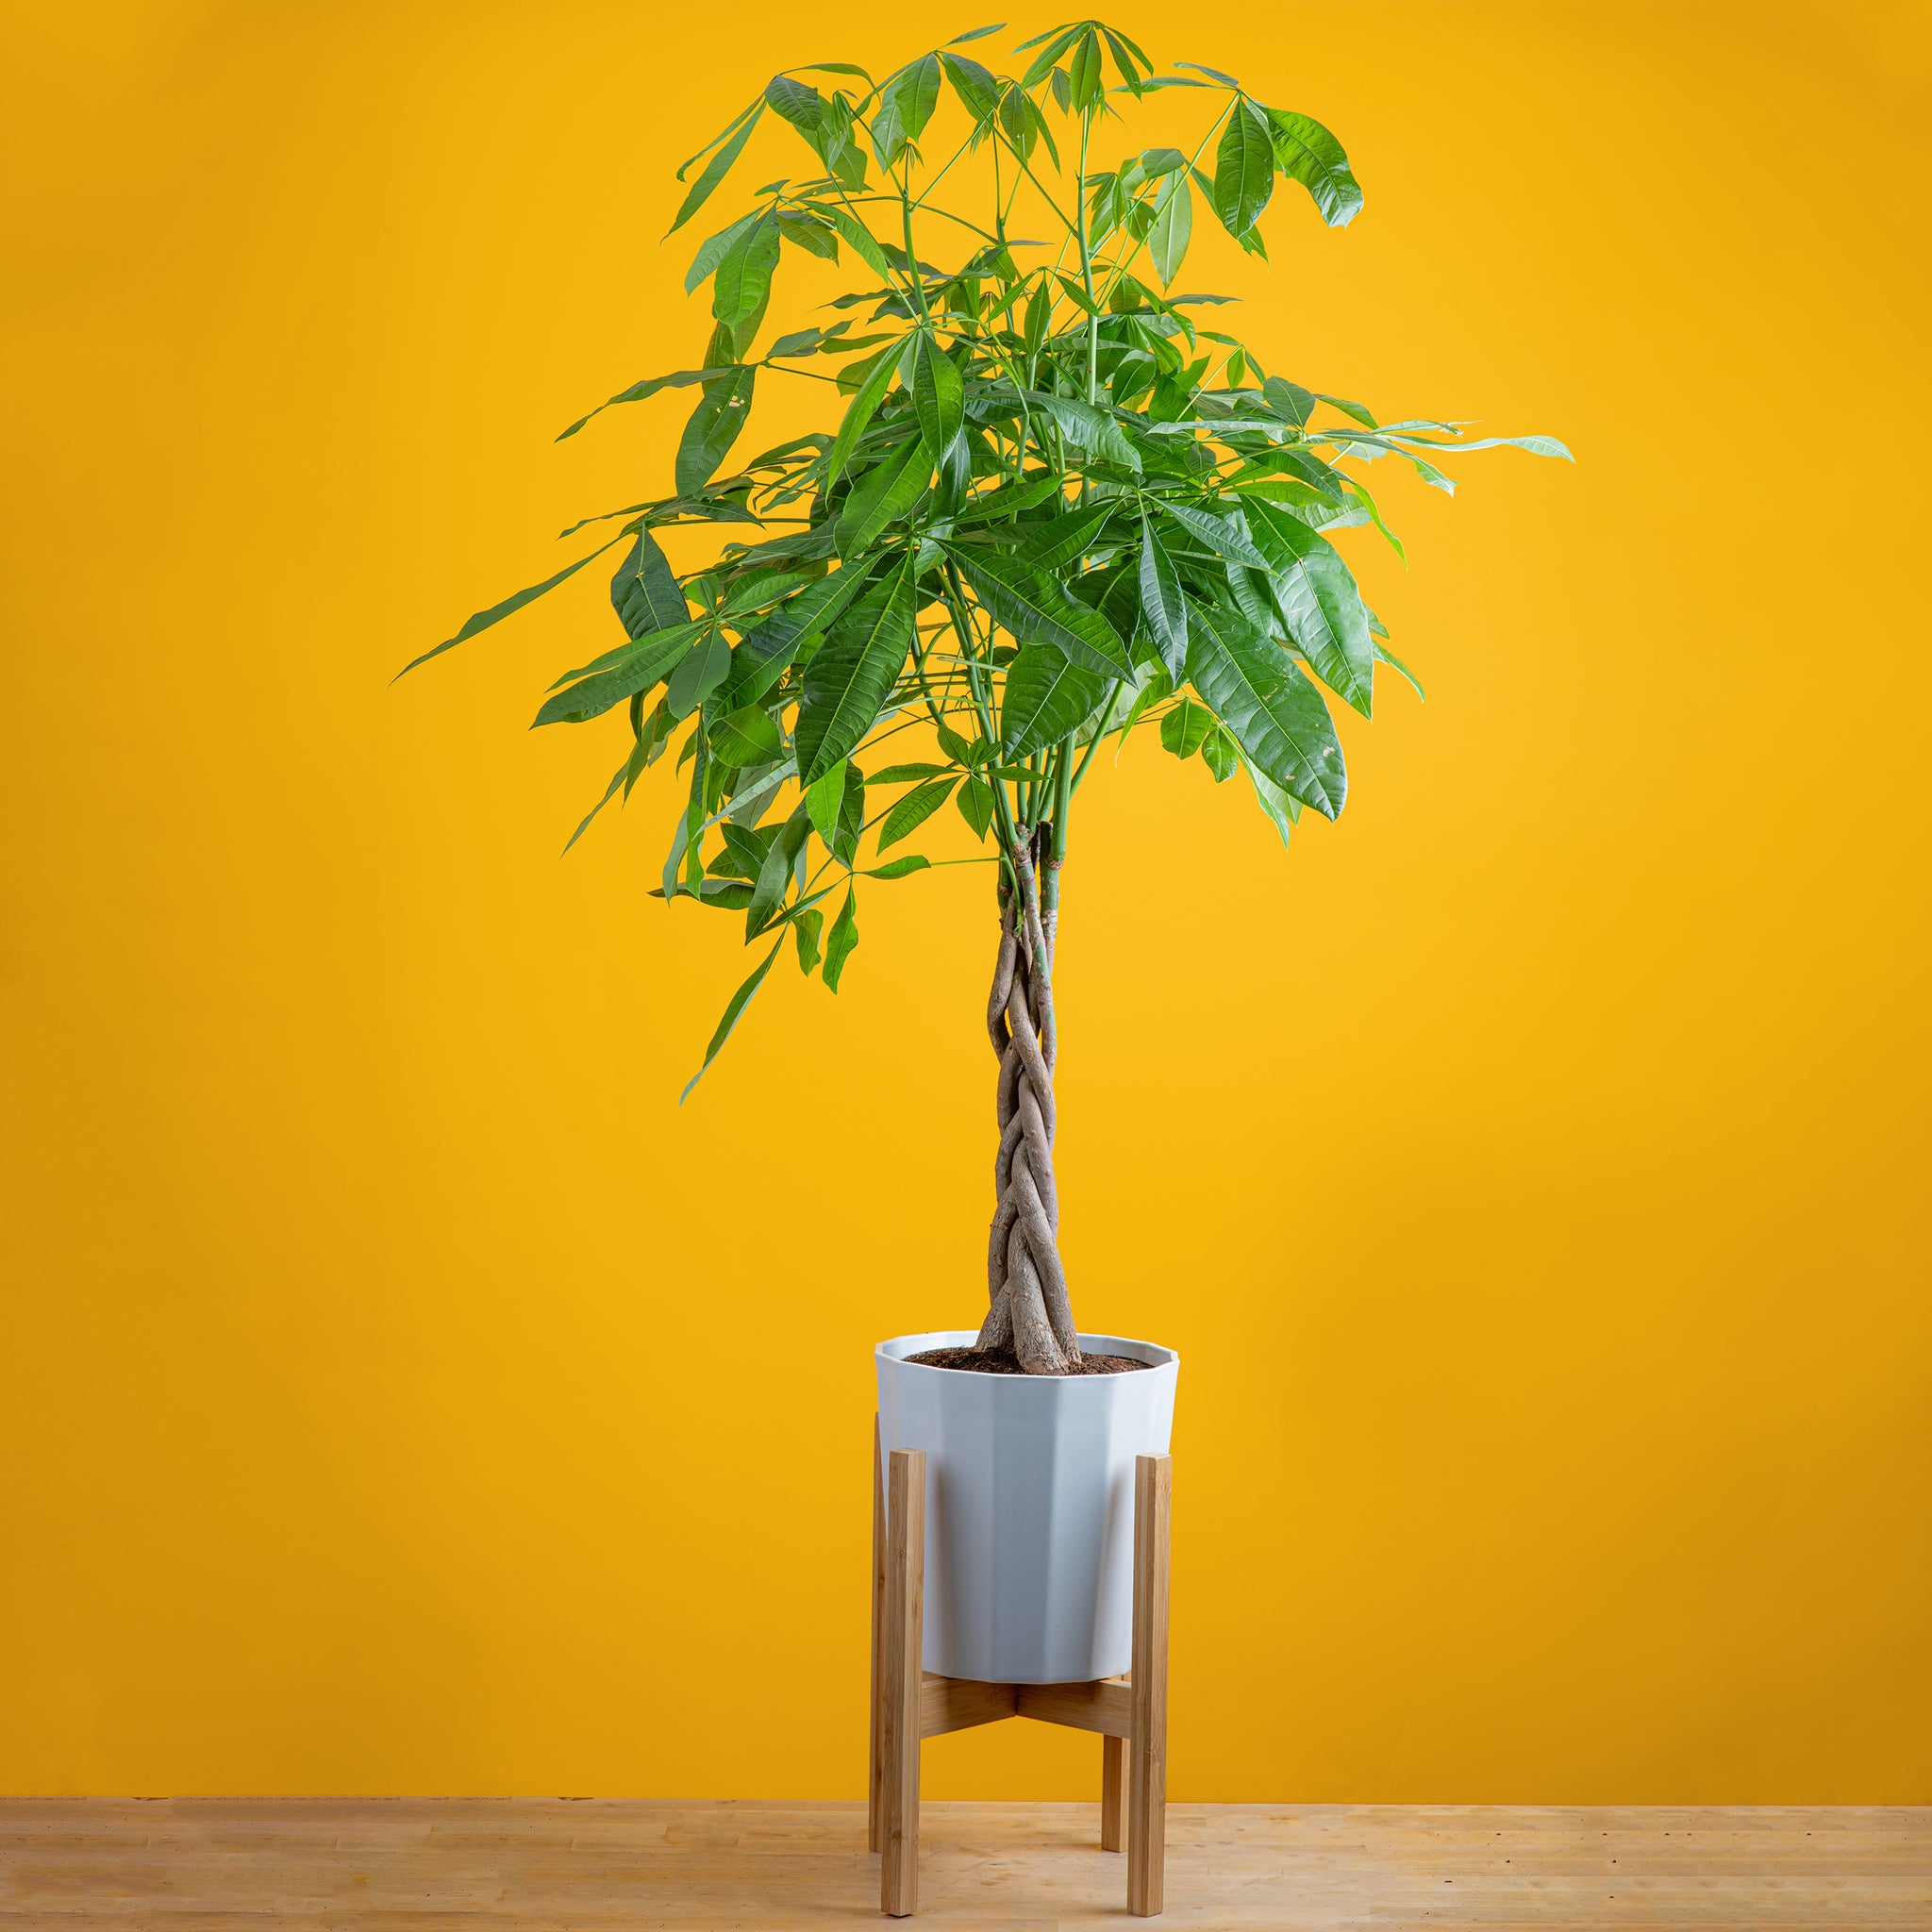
{"x":1304,"y":151}
{"x":979,"y":33}
{"x":1536,"y":445}
{"x":747,"y":736}
{"x":978,"y":89}
{"x":806,"y":929}
{"x":843,"y":938}
{"x":1036,"y":609}
{"x":1289,"y":400}
{"x":1084,"y":76}
{"x":906,"y":105}
{"x":1127,"y":55}
{"x":1039,"y":310}
{"x":938,"y":395}
{"x":1046,"y":696}
{"x":844,"y":841}
{"x":883,"y":494}
{"x":1320,"y":604}
{"x":1008,"y":501}
{"x":1277,"y":717}
{"x":1219,"y":753}
{"x":712,"y":252}
{"x":816,"y":237}
{"x":901,"y":868}
{"x":1161,"y":603}
{"x":643,"y":592}
{"x":1249,"y":588}
{"x":974,"y":799}
{"x":740,"y":1000}
{"x":823,"y":800}
{"x":1154,"y":163}
{"x":849,"y":677}
{"x":638,"y":670}
{"x":744,"y":856}
{"x":1057,"y":41}
{"x":871,"y":393}
{"x":1212,"y":73}
{"x":912,"y":811}
{"x":724,"y":895}
{"x":1243,"y":168}
{"x":906,"y":774}
{"x":712,"y":429}
{"x":686,"y":837}
{"x":743,"y":281}
{"x":497,"y":612}
{"x":1092,"y":429}
{"x":703,"y":668}
{"x":1354,"y":410}
{"x":1224,"y":535}
{"x":610,"y":792}
{"x":775,"y":872}
{"x":1184,"y":729}
{"x":768,"y":646}
{"x":845,"y":160}
{"x":762,"y":587}
{"x":759,"y":787}
{"x":716,"y":167}
{"x":799,"y":102}
{"x":681,"y":378}
{"x":1370,"y":509}
{"x":860,"y":237}
{"x":1157,"y":686}
{"x":1385,"y":656}
{"x":1282,"y":811}
{"x":1052,"y":545}
{"x":1173,"y":227}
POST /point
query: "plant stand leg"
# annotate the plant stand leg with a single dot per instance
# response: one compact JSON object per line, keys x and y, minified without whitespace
{"x":901,"y":1682}
{"x":875,"y":1779}
{"x":1113,"y":1794}
{"x":1147,"y":1746}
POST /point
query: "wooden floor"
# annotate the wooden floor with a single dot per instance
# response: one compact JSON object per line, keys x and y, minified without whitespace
{"x":426,"y":1864}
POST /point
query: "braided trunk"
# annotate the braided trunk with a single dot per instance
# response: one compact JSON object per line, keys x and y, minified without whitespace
{"x":1030,"y":1311}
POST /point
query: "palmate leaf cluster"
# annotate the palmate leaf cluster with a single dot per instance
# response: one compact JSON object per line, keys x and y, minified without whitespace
{"x":1051,"y":505}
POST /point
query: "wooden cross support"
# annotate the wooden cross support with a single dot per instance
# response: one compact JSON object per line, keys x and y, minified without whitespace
{"x":910,"y":1704}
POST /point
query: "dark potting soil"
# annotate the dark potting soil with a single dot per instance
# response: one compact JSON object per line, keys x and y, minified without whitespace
{"x":1003,"y":1361}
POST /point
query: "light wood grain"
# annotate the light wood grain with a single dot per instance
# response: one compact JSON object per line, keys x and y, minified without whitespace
{"x":902,"y":1679}
{"x":956,"y":1703}
{"x":624,"y":1865}
{"x":1113,"y":1794}
{"x":875,"y":1776}
{"x":1107,"y":1707}
{"x":1147,"y":1733}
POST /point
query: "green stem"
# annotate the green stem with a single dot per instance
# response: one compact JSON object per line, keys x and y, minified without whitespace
{"x":1087,"y":263}
{"x":1093,"y":743}
{"x":1119,"y":268}
{"x":955,"y":603}
{"x":913,"y":268}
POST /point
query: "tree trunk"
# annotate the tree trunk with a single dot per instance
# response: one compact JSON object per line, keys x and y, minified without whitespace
{"x":1030,"y":1311}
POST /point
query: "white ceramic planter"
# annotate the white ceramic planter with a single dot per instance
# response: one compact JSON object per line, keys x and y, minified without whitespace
{"x":1029,"y":1505}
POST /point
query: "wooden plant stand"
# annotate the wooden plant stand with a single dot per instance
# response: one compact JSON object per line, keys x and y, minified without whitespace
{"x":910,"y":1704}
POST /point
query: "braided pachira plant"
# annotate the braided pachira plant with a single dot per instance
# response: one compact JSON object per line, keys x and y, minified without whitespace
{"x":1051,"y":507}
{"x":1029,"y":1309}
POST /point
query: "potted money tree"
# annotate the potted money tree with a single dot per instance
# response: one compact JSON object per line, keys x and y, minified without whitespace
{"x":1053,"y":503}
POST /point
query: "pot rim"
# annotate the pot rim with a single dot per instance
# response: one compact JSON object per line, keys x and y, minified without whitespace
{"x":898,"y":1347}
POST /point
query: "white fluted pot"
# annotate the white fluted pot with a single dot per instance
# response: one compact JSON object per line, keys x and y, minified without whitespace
{"x":1029,"y":1523}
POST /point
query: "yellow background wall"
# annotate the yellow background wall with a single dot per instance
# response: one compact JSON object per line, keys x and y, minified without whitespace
{"x":402,"y":1394}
